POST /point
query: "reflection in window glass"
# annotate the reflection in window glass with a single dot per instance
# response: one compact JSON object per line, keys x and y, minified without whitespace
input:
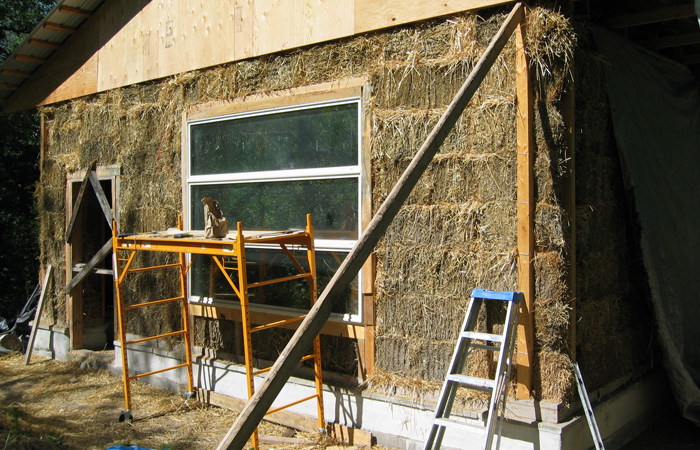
{"x":268,"y":170}
{"x":301,"y":139}
{"x":284,"y":204}
{"x":267,"y":264}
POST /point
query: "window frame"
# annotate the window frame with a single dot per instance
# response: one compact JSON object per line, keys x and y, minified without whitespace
{"x":312,"y":97}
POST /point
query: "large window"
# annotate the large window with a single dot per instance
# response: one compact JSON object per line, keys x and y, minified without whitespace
{"x":269,"y":168}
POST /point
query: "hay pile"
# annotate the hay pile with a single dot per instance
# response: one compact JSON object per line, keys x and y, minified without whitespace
{"x":456,"y":232}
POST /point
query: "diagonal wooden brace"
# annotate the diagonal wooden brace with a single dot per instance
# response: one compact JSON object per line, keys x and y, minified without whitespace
{"x":260,"y":402}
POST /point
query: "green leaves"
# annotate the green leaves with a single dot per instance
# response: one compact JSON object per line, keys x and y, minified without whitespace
{"x":19,"y":170}
{"x":18,"y":18}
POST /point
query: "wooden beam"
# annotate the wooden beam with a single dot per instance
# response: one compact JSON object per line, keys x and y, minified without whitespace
{"x":373,"y":15}
{"x":15,"y":73}
{"x":60,"y":28}
{"x":652,"y":16}
{"x":526,"y":215}
{"x":339,"y":329}
{"x":45,"y":44}
{"x":74,"y":11}
{"x":569,"y":201}
{"x":30,"y":59}
{"x":260,"y":402}
{"x":99,"y":256}
{"x":78,"y":201}
{"x":37,"y":315}
{"x":101,"y":197}
{"x":8,"y":87}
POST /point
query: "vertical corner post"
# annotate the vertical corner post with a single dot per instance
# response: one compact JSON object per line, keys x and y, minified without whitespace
{"x":526,"y":213}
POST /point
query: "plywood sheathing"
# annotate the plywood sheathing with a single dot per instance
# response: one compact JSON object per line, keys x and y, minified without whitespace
{"x":456,"y":232}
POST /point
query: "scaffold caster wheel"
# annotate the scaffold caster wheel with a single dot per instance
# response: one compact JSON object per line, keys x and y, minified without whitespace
{"x":190,"y":395}
{"x":125,"y":416}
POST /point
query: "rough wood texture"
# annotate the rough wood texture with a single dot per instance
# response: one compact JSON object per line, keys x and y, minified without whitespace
{"x":94,"y":261}
{"x":78,"y":202}
{"x":158,"y":38}
{"x":37,"y":315}
{"x":257,"y":406}
{"x":373,"y":15}
{"x":526,"y":217}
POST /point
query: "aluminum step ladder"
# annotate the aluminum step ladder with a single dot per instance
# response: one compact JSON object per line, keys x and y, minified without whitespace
{"x":467,"y":342}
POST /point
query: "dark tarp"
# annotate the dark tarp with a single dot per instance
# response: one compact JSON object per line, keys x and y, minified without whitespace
{"x":655,"y":107}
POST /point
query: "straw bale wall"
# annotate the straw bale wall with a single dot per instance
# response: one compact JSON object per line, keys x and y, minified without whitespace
{"x":615,"y":332}
{"x":456,"y":232}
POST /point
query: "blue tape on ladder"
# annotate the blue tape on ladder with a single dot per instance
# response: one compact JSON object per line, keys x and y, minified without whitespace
{"x":509,"y":296}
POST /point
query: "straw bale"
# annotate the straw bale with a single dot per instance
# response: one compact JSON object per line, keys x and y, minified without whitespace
{"x":424,"y":360}
{"x":607,"y":343}
{"x":614,"y":328}
{"x":553,"y":378}
{"x":215,"y":334}
{"x":551,"y":227}
{"x":551,"y":42}
{"x":458,"y":228}
{"x":552,"y":304}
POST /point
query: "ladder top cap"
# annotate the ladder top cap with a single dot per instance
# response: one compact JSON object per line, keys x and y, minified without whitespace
{"x":509,"y":296}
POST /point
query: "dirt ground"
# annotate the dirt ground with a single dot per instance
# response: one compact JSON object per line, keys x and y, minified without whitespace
{"x":66,"y":405}
{"x":60,"y":405}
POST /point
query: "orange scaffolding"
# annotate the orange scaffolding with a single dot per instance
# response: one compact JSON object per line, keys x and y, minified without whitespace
{"x":229,"y":255}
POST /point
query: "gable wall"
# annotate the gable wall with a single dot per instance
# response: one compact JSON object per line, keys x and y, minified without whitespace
{"x":456,"y":232}
{"x":129,"y":42}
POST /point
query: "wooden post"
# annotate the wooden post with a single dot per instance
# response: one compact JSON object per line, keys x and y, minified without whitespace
{"x":37,"y":315}
{"x":570,"y":208}
{"x":526,"y":215}
{"x":257,"y":406}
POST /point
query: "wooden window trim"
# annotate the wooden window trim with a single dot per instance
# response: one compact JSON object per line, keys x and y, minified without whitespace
{"x":336,"y":90}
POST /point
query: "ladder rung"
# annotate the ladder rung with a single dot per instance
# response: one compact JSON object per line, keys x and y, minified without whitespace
{"x":141,"y":375}
{"x":159,"y":336}
{"x":452,"y":423}
{"x":481,"y":336}
{"x":482,"y":384}
{"x":154,"y":302}
{"x":492,"y":348}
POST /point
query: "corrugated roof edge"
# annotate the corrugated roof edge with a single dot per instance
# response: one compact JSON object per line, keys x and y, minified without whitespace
{"x":54,"y":17}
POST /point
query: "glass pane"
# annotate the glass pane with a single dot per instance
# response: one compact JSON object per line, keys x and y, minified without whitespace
{"x":301,"y":139}
{"x":284,"y":204}
{"x":264,"y":264}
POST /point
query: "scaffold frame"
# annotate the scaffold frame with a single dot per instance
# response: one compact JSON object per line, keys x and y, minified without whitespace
{"x":228,"y":255}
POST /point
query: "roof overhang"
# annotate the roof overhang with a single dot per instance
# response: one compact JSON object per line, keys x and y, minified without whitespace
{"x":81,"y":47}
{"x":64,"y":19}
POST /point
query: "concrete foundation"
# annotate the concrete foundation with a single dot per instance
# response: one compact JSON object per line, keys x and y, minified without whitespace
{"x":622,"y":409}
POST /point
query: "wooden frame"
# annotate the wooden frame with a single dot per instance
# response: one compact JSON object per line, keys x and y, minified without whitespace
{"x":74,"y":301}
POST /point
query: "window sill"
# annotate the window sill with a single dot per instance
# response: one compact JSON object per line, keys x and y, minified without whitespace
{"x":228,"y":310}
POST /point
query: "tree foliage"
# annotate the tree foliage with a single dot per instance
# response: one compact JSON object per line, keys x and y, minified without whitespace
{"x":17,"y":19}
{"x":19,"y":170}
